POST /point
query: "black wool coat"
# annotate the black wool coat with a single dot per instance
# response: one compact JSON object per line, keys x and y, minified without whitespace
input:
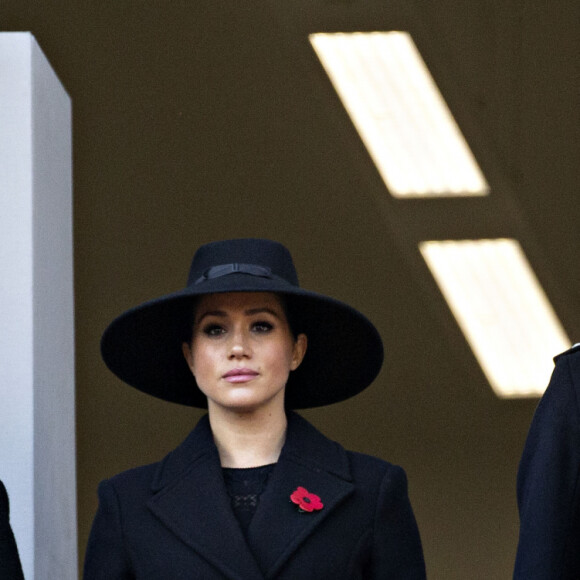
{"x":549,"y":480}
{"x":174,"y":519}
{"x":10,"y":568}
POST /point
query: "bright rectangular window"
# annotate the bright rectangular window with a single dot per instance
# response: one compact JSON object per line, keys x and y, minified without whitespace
{"x":502,"y":310}
{"x":400,"y":114}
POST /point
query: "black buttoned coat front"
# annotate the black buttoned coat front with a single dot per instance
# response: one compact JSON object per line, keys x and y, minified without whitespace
{"x":174,"y":519}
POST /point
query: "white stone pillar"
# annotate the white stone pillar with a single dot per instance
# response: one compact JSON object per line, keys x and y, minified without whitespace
{"x":37,"y":426}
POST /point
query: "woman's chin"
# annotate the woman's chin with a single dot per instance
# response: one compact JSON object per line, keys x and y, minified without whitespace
{"x":247,"y":403}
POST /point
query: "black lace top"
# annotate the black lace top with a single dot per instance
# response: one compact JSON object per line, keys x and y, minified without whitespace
{"x":244,"y":486}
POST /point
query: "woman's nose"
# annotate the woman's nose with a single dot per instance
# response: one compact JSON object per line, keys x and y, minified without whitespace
{"x":239,"y":347}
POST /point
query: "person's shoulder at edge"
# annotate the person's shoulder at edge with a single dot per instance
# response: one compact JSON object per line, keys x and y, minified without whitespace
{"x":572,"y":350}
{"x":564,"y":383}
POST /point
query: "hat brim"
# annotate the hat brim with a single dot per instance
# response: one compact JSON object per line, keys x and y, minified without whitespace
{"x":344,"y":355}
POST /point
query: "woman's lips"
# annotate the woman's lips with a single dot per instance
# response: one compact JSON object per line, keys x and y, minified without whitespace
{"x":240,"y":375}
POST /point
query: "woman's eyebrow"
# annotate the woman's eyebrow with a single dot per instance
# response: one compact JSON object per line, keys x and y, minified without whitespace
{"x":249,"y":312}
{"x":262,"y":310}
{"x":219,"y":313}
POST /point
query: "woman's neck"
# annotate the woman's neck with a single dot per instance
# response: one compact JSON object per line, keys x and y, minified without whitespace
{"x":248,"y":439}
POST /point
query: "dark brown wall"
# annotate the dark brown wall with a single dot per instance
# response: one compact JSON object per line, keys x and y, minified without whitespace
{"x":202,"y":120}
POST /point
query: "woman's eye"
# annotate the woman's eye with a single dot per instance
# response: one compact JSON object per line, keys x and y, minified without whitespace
{"x":213,"y":330}
{"x":262,"y":326}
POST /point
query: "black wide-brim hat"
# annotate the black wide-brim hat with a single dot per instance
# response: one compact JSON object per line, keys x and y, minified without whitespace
{"x":143,"y":346}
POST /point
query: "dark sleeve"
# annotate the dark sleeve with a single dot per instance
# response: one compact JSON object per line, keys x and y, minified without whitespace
{"x":10,"y":566}
{"x":548,"y":482}
{"x":397,"y":551}
{"x":106,"y":557}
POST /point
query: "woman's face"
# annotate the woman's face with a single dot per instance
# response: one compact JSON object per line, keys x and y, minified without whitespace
{"x":242,"y":350}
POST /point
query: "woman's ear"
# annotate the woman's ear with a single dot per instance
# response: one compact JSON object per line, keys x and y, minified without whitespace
{"x":299,"y":351}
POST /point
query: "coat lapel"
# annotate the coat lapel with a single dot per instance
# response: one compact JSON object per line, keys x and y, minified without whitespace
{"x":309,"y":460}
{"x":192,"y":502}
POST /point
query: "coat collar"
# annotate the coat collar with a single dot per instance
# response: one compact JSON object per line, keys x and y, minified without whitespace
{"x":191,"y":500}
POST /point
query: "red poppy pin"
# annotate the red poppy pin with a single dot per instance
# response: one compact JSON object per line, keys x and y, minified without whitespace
{"x":306,"y":501}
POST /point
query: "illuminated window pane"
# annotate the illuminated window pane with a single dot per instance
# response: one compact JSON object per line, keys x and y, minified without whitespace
{"x":502,"y":310}
{"x":400,"y":114}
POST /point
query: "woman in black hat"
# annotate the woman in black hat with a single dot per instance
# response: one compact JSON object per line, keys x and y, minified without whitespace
{"x":254,"y":491}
